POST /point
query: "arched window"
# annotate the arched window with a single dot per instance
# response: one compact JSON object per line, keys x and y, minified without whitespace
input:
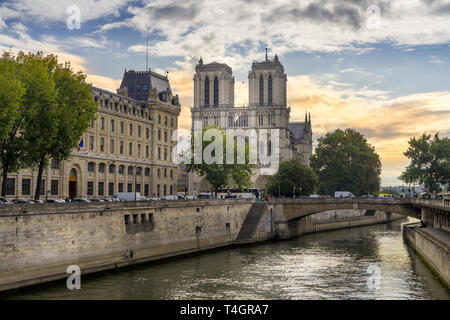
{"x":101,"y":167}
{"x":216,"y":92}
{"x":261,"y":90}
{"x":207,"y":92}
{"x":91,"y":166}
{"x":270,"y":90}
{"x":112,"y":168}
{"x":147,"y":172}
{"x":130,"y":170}
{"x":121,"y":169}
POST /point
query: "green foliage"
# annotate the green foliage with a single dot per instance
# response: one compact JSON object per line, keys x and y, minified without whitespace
{"x":219,"y":173}
{"x":11,"y":95}
{"x":430,"y":162}
{"x":292,"y":174}
{"x":345,"y":161}
{"x":55,"y":109}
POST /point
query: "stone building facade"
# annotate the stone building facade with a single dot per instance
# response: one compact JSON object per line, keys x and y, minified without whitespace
{"x":126,"y":149}
{"x":267,"y":109}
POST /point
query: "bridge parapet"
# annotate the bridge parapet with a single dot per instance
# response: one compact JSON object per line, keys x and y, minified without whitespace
{"x":294,"y":208}
{"x":442,"y":204}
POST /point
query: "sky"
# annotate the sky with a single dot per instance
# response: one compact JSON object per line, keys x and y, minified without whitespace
{"x":381,"y":67}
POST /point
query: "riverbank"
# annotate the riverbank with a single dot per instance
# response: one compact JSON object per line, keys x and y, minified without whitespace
{"x":432,"y":246}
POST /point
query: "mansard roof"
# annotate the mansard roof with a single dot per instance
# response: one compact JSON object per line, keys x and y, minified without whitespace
{"x":140,"y":82}
{"x":97,"y":92}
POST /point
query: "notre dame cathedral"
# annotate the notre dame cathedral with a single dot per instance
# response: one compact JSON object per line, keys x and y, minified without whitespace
{"x":267,"y":109}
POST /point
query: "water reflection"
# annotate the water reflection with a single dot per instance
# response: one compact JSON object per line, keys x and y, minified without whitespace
{"x":328,"y":265}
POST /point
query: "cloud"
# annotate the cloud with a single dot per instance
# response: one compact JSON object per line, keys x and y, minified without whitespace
{"x":435,"y":60}
{"x":234,"y":31}
{"x":387,"y":123}
{"x":48,"y":11}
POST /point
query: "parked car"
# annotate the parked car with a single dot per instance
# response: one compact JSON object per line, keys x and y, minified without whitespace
{"x":80,"y":200}
{"x":54,"y":201}
{"x":425,"y":195}
{"x":169,"y":198}
{"x":191,"y":198}
{"x":367,"y":196}
{"x":96,"y":200}
{"x":4,"y":201}
{"x":154,"y":199}
{"x":37,"y":201}
{"x":19,"y":201}
{"x":315,"y":196}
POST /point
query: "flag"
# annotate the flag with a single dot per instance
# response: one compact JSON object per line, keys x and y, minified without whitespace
{"x":80,"y":145}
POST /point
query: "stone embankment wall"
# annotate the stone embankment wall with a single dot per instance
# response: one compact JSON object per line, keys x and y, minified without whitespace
{"x":38,"y":243}
{"x":331,"y":220}
{"x":433,"y":246}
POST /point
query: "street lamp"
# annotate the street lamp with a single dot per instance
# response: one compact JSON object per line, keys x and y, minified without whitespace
{"x":294,"y":192}
{"x":135,"y":180}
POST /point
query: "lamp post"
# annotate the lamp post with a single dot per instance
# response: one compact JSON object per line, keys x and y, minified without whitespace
{"x":135,"y":177}
{"x":294,"y":192}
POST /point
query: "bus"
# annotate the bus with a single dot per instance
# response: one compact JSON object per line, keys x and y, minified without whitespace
{"x":250,"y":193}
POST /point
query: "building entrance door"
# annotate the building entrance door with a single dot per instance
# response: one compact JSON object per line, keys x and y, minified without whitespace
{"x":73,"y":184}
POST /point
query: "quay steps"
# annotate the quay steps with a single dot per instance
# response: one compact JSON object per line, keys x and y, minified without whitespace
{"x":251,"y":223}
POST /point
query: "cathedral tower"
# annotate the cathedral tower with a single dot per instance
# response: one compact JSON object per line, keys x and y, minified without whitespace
{"x":213,"y":86}
{"x":267,"y":84}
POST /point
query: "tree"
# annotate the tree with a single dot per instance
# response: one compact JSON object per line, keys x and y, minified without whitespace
{"x":345,"y":161}
{"x":58,"y":123}
{"x":55,"y":109}
{"x":11,"y":95}
{"x":41,"y":121}
{"x":216,"y":170}
{"x":430,"y":162}
{"x":292,"y":174}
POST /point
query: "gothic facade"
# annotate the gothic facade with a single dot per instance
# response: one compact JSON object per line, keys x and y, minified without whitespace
{"x":267,"y":109}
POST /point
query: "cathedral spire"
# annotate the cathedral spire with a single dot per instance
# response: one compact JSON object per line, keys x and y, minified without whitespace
{"x":266,"y":53}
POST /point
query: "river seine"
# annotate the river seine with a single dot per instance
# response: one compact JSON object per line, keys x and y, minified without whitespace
{"x":360,"y":263}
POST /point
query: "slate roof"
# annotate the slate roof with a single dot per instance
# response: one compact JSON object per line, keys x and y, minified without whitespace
{"x":140,"y":82}
{"x":297,"y":130}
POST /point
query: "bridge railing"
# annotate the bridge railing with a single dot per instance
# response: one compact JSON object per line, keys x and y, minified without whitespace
{"x":440,"y":202}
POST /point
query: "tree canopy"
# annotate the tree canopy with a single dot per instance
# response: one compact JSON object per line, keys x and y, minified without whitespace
{"x":345,"y":161}
{"x":292,"y":176}
{"x":430,"y":162}
{"x":214,"y":167}
{"x":55,"y":109}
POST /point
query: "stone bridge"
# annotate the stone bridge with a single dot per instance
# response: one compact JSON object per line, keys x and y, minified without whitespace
{"x":287,"y":209}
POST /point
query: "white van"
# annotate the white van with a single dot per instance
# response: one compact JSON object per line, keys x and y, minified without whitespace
{"x":343,"y":194}
{"x":128,"y":196}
